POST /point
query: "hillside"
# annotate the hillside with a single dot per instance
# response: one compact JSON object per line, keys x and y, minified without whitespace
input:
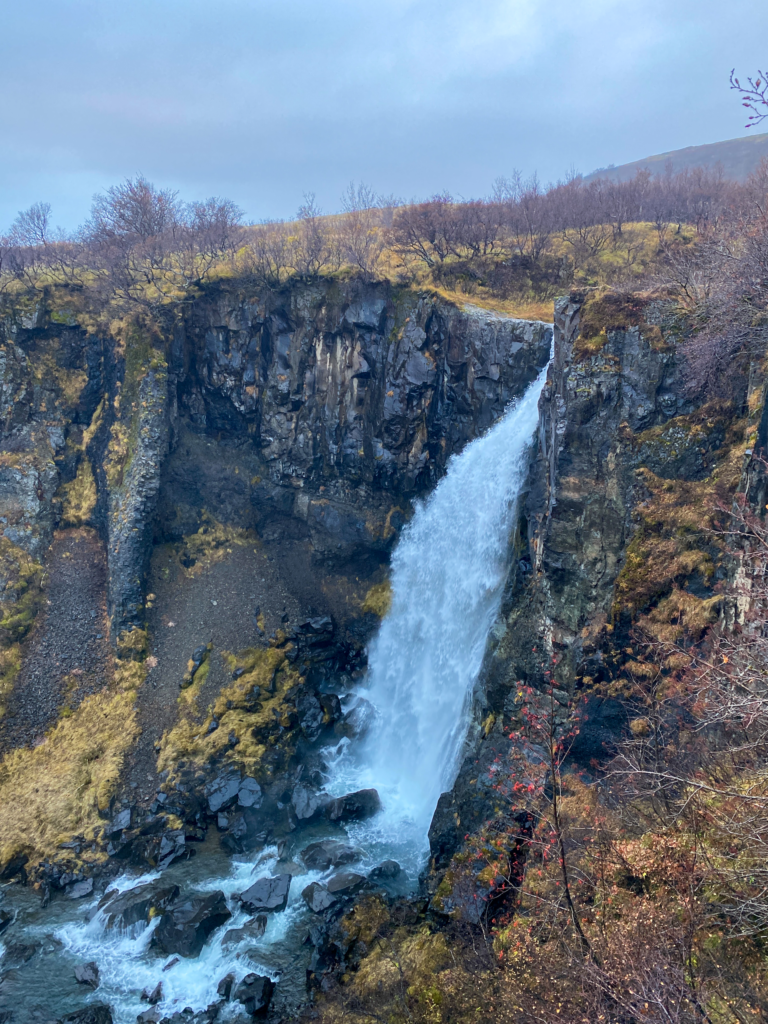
{"x":737,"y":157}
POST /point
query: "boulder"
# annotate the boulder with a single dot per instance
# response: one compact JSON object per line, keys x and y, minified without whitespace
{"x":244,"y":831}
{"x":249,"y":793}
{"x":307,"y":803}
{"x":224,"y":988}
{"x":173,"y":846}
{"x":253,"y":929}
{"x":80,"y":889}
{"x":141,"y":903}
{"x":386,"y":871}
{"x":345,"y":883}
{"x":255,"y":993}
{"x":121,"y":821}
{"x":150,"y":1016}
{"x":357,"y":720}
{"x":317,"y":897}
{"x":328,"y":853}
{"x":268,"y":895}
{"x":96,"y":1013}
{"x":354,"y":806}
{"x":310,"y":712}
{"x":185,"y":928}
{"x":87,"y":974}
{"x":222,"y":791}
{"x":152,"y":995}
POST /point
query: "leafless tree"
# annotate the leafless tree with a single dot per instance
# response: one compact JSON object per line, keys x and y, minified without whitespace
{"x":361,"y":230}
{"x":315,"y":247}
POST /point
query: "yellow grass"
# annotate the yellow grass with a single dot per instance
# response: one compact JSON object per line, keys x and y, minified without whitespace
{"x":56,"y":790}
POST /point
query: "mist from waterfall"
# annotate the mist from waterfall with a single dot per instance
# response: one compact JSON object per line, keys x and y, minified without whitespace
{"x":447,"y":577}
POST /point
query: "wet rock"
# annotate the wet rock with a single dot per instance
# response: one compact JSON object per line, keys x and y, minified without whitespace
{"x":354,"y":806}
{"x":328,"y":853}
{"x":331,"y":706}
{"x":311,"y":715}
{"x":386,"y":871}
{"x":255,"y":993}
{"x":307,"y":803}
{"x":345,"y":883}
{"x":20,"y":952}
{"x":357,"y":721}
{"x":185,"y":928}
{"x":224,"y":988}
{"x":153,"y":995}
{"x":6,"y":918}
{"x":249,"y":793}
{"x":173,"y":846}
{"x":96,"y":1013}
{"x":138,"y":904}
{"x":268,"y":895}
{"x":252,"y":929}
{"x":222,"y":791}
{"x":171,"y":963}
{"x":244,"y":832}
{"x":150,"y":1016}
{"x":317,"y":897}
{"x":80,"y":889}
{"x":87,"y":974}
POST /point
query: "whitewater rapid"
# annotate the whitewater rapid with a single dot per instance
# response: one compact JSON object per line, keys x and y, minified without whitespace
{"x":447,"y":577}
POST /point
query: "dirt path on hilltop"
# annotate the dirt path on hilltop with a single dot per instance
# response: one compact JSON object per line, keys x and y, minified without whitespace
{"x":68,"y":654}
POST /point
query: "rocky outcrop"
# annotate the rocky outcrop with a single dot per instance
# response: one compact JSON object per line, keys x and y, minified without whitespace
{"x":132,"y":502}
{"x":331,"y":405}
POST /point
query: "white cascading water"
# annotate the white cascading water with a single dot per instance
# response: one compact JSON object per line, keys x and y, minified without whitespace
{"x":447,"y":577}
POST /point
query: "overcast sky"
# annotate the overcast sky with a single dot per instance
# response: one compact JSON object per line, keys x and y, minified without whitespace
{"x":263,"y":100}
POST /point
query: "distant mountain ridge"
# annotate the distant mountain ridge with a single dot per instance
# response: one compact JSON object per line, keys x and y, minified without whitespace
{"x":738,"y":158}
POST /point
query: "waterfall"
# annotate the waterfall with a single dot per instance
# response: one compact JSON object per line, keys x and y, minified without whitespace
{"x":447,"y":576}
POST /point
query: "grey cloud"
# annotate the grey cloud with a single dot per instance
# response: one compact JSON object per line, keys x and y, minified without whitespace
{"x":261,"y":100}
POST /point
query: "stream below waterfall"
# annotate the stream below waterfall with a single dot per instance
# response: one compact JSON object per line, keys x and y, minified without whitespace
{"x":447,"y":577}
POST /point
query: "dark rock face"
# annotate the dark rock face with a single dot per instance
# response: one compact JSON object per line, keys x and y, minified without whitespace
{"x":354,"y":806}
{"x":132,"y":505}
{"x":268,"y":895}
{"x":124,"y":909}
{"x":186,"y":926}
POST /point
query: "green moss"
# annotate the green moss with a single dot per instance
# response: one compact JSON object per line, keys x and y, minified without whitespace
{"x":79,"y":496}
{"x":256,"y":724}
{"x":132,"y":644}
